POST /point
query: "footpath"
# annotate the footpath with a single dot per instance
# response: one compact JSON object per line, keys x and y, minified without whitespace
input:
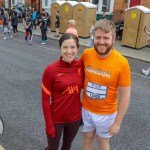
{"x":141,"y":54}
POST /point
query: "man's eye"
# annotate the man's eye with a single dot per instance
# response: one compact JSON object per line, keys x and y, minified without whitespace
{"x":73,"y":47}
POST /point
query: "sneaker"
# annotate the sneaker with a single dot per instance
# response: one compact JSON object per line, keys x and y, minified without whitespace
{"x":43,"y":43}
{"x":26,"y":42}
{"x":31,"y":43}
{"x":145,"y":72}
{"x":4,"y":38}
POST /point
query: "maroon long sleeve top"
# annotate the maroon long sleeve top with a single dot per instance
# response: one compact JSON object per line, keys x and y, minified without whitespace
{"x":61,"y":86}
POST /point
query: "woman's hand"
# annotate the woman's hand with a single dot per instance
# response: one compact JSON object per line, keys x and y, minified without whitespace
{"x":50,"y":131}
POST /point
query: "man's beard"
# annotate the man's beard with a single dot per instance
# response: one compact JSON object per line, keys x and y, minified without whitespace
{"x":108,"y":49}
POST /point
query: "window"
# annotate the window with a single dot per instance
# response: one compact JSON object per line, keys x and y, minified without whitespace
{"x":104,"y":5}
{"x":13,"y":1}
{"x":19,"y":1}
{"x":46,"y":2}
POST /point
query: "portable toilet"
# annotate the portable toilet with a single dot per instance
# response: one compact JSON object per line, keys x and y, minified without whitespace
{"x":55,"y":6}
{"x":84,"y":13}
{"x":136,"y":20}
{"x":66,"y":13}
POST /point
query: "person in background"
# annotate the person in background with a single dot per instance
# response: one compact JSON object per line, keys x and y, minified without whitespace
{"x":146,"y":71}
{"x":43,"y":26}
{"x":72,"y":27}
{"x":34,"y":17}
{"x":24,"y":11}
{"x":61,"y":86}
{"x":5,"y":22}
{"x":14,"y":23}
{"x":148,"y":32}
{"x":103,"y":111}
{"x":91,"y":35}
{"x":57,"y":23}
{"x":103,"y":14}
{"x":28,"y":28}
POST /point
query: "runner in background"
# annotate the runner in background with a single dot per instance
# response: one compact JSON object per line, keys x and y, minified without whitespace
{"x":43,"y":26}
{"x":28,"y":28}
{"x":4,"y":17}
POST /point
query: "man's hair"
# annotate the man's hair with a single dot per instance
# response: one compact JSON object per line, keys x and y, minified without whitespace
{"x":105,"y":25}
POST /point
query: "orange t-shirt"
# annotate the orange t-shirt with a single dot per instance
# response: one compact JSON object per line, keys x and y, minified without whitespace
{"x":72,"y":30}
{"x":103,"y":76}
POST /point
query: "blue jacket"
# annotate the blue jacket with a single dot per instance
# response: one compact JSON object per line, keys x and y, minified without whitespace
{"x":34,"y":16}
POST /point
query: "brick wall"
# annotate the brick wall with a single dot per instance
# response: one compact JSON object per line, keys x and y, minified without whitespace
{"x":146,"y":3}
{"x":121,"y":5}
{"x":119,"y":9}
{"x":2,"y":2}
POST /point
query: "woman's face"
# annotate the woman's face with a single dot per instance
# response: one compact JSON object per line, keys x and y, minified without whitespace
{"x":69,"y":50}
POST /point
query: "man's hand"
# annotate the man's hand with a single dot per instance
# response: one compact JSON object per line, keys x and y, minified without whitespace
{"x":114,"y":129}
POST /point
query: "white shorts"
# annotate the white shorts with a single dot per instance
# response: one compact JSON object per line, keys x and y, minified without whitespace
{"x":100,"y":123}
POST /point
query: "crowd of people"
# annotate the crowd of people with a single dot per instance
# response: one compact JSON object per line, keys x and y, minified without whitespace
{"x":30,"y":19}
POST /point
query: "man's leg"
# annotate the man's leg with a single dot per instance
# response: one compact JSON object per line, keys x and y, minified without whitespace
{"x":88,"y":140}
{"x":103,"y":143}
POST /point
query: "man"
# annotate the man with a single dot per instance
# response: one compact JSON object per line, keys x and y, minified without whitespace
{"x":4,"y":19}
{"x":43,"y":26}
{"x":106,"y":73}
{"x":57,"y":23}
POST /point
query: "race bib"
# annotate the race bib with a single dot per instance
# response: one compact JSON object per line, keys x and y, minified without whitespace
{"x":96,"y":91}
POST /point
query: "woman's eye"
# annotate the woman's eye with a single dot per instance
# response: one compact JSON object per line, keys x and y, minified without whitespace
{"x":65,"y":47}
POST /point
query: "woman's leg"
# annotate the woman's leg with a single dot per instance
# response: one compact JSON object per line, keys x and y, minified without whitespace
{"x":26,"y":36}
{"x":53,"y":143}
{"x":31,"y":35}
{"x":69,"y":133}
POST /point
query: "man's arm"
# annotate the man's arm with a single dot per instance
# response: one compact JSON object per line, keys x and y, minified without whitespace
{"x":124,"y":101}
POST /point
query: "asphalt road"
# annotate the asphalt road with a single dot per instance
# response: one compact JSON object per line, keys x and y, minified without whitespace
{"x":21,"y":68}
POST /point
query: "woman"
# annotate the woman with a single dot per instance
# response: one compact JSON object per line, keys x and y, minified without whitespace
{"x":72,"y":27}
{"x":14,"y":22}
{"x":28,"y":28}
{"x":61,"y":86}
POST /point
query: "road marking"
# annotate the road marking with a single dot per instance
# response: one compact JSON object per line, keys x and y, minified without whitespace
{"x":34,"y":44}
{"x":37,"y":45}
{"x":77,"y":57}
{"x":1,"y":148}
{"x":140,"y":75}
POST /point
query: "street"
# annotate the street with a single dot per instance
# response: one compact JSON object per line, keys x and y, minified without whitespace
{"x":21,"y":68}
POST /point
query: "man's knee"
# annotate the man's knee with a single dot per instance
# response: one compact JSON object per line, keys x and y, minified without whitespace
{"x":104,"y":143}
{"x":88,"y":136}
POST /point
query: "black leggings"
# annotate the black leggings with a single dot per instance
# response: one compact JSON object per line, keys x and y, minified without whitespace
{"x":44,"y":35}
{"x":69,"y":132}
{"x":29,"y":30}
{"x":15,"y":29}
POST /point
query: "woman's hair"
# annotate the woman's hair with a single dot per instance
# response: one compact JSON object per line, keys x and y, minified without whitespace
{"x":105,"y":25}
{"x":72,"y":23}
{"x":68,"y":36}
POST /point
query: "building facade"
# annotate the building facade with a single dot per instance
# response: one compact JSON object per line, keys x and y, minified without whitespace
{"x":114,"y":8}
